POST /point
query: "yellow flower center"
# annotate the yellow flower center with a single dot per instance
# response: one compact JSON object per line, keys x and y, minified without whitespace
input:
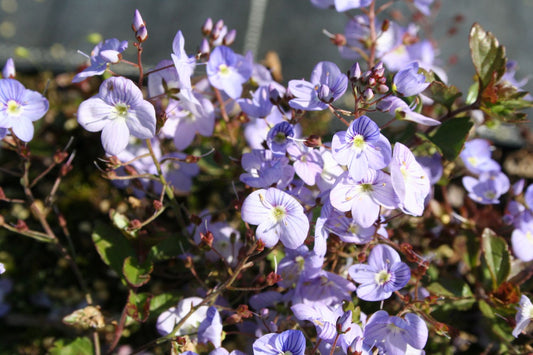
{"x":382,"y":277}
{"x":279,"y":213}
{"x":121,"y":110}
{"x":359,"y":141}
{"x":13,"y":107}
{"x":223,"y":69}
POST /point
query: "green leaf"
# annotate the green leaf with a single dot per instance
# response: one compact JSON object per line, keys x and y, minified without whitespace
{"x":163,"y":302}
{"x":79,"y":346}
{"x":112,"y":246}
{"x":487,"y":54}
{"x":166,"y":249}
{"x":497,"y":257}
{"x":138,"y":306}
{"x":450,"y":137}
{"x":444,"y":95}
{"x":137,"y":274}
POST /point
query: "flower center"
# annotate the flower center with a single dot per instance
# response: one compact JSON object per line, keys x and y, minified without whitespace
{"x":13,"y":107}
{"x":121,"y":110}
{"x":223,"y":69}
{"x":353,"y":228}
{"x":359,"y":142}
{"x":279,"y":213}
{"x":367,"y":188}
{"x":280,"y":138}
{"x":472,"y":161}
{"x":382,"y":277}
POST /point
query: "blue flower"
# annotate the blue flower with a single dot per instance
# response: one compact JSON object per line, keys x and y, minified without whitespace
{"x":409,"y":180}
{"x":395,"y":335}
{"x":118,"y":111}
{"x":228,"y":71}
{"x":361,"y":147}
{"x":279,"y":137}
{"x":19,"y":107}
{"x":326,"y":85}
{"x":279,"y":216}
{"x":384,"y":274}
{"x":409,"y":81}
{"x":523,"y":316}
{"x":288,"y":342}
{"x":104,"y":53}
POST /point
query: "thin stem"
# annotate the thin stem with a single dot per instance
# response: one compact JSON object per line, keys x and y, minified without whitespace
{"x":373,"y":35}
{"x":221,"y":103}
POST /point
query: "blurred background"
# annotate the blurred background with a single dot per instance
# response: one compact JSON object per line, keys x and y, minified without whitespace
{"x":46,"y":34}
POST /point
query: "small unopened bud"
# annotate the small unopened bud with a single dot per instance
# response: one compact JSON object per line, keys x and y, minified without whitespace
{"x":59,"y":156}
{"x":361,"y":257}
{"x":244,"y":311}
{"x":273,"y":278}
{"x":275,"y":97}
{"x":355,"y":72}
{"x":372,"y":81}
{"x":219,"y":25}
{"x":157,"y":205}
{"x":338,"y":39}
{"x":204,"y":48}
{"x":9,"y":69}
{"x":313,"y":141}
{"x":382,"y":89}
{"x":21,"y":226}
{"x":138,"y":21}
{"x":207,"y":27}
{"x":343,"y":322}
{"x":229,"y":38}
{"x":368,"y":94}
{"x":217,"y":29}
{"x":142,"y":34}
{"x":207,"y":239}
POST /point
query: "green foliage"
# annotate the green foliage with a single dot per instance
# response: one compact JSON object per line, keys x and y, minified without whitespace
{"x":443,"y":94}
{"x":112,"y":247}
{"x":487,"y":54}
{"x":135,"y":273}
{"x":79,"y":346}
{"x":497,"y":256}
{"x":450,"y":137}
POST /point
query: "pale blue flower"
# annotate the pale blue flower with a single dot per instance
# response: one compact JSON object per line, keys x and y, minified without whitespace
{"x":118,"y":110}
{"x":19,"y":107}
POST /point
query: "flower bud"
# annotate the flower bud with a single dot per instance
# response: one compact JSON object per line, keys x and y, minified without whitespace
{"x":204,"y":48}
{"x":207,"y":27}
{"x":343,"y":322}
{"x":219,"y":25}
{"x":355,"y":72}
{"x":382,"y":89}
{"x":139,"y":27}
{"x":372,"y":81}
{"x":368,"y":94}
{"x":141,"y":34}
{"x":229,"y":38}
{"x":9,"y":69}
{"x":138,"y":21}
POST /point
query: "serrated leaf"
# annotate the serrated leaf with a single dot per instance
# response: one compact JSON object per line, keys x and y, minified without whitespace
{"x":451,"y":135}
{"x":487,"y":54}
{"x":79,"y":346}
{"x":497,"y":256}
{"x":443,"y":94}
{"x":111,"y":245}
{"x":136,"y":274}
